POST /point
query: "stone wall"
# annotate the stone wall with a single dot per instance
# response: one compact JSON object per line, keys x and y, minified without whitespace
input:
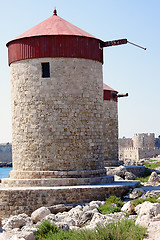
{"x":20,"y":200}
{"x":138,"y":153}
{"x":57,"y":121}
{"x":129,"y":153}
{"x":125,"y":143}
{"x":142,"y":146}
{"x":110,"y":131}
{"x":148,"y":152}
{"x":5,"y":153}
{"x":144,"y":140}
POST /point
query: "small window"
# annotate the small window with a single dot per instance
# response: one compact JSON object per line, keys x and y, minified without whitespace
{"x":45,"y":70}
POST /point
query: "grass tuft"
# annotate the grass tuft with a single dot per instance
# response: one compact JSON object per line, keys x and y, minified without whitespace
{"x":113,"y":204}
{"x":122,"y":230}
{"x":145,"y":176}
{"x":153,"y":199}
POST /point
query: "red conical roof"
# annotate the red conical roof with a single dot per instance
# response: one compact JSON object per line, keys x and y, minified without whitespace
{"x":55,"y":37}
{"x":106,"y":87}
{"x":55,"y":25}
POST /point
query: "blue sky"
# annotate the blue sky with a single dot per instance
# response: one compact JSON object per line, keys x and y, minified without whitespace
{"x":126,"y":68}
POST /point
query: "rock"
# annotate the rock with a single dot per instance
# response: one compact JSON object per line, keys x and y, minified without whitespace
{"x":143,"y":220}
{"x":86,"y":217}
{"x":129,"y":176}
{"x":154,"y":179}
{"x":17,"y":221}
{"x":76,"y":212}
{"x":17,"y":235}
{"x":153,"y":230}
{"x":153,"y":193}
{"x":119,"y":171}
{"x":39,"y":214}
{"x":98,"y":219}
{"x":91,"y":207}
{"x":148,"y":208}
{"x":146,"y":212}
{"x":117,"y":216}
{"x":118,"y":178}
{"x":96,"y":203}
{"x":136,"y":193}
{"x":128,"y":207}
{"x":60,"y":208}
{"x":26,"y":235}
{"x":51,"y":217}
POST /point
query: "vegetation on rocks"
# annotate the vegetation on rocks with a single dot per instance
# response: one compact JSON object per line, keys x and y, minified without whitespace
{"x":122,"y":230}
{"x":152,"y":164}
{"x":145,"y":176}
{"x":153,"y":199}
{"x":113,"y":204}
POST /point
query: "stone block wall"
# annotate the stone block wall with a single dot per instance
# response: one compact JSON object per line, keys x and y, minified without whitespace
{"x":125,"y":143}
{"x":144,"y":140}
{"x":129,"y":153}
{"x":20,"y":200}
{"x":57,"y":121}
{"x":110,"y":131}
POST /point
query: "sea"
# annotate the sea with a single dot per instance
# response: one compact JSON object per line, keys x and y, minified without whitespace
{"x":4,"y":172}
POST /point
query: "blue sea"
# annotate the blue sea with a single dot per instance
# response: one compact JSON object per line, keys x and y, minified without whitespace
{"x":4,"y":172}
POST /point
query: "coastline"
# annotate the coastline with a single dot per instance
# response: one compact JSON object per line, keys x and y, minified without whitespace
{"x":5,"y":164}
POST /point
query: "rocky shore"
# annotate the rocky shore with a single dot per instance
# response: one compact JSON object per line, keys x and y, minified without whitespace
{"x":87,"y":216}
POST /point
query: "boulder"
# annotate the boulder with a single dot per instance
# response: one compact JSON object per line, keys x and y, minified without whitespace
{"x":128,"y":207}
{"x":118,"y":178}
{"x":51,"y":217}
{"x":86,"y":217}
{"x":154,"y":179}
{"x":17,"y":235}
{"x":153,"y":193}
{"x":143,"y":220}
{"x":60,"y":208}
{"x":100,"y":219}
{"x":17,"y":221}
{"x":136,"y":193}
{"x":146,"y":212}
{"x":129,"y":176}
{"x":148,"y":208}
{"x":119,"y":171}
{"x":39,"y":214}
{"x":76,"y":212}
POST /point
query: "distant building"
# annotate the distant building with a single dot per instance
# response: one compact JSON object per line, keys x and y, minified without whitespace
{"x":142,"y":145}
{"x":5,"y":153}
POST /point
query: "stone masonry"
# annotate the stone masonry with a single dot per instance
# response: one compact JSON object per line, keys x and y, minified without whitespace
{"x":57,"y":121}
{"x":110,"y":131}
{"x":141,"y":146}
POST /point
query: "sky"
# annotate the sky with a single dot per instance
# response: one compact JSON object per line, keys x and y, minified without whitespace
{"x":126,"y":68}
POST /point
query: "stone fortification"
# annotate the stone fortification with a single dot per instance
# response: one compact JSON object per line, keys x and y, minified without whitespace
{"x":125,"y":143}
{"x":110,"y":131}
{"x":144,"y":140}
{"x":141,"y":146}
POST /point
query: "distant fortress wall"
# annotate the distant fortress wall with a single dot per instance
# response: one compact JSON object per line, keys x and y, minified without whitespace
{"x":5,"y":153}
{"x":142,"y":145}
